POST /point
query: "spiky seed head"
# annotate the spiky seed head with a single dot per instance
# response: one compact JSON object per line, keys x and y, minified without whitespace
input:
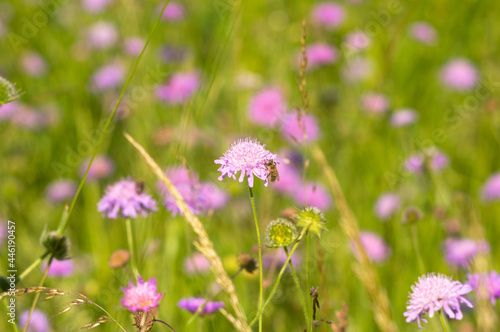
{"x":280,"y":233}
{"x":411,"y":215}
{"x":56,"y":244}
{"x":312,"y":217}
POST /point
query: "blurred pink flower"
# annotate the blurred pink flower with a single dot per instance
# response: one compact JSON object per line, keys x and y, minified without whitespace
{"x":357,"y":69}
{"x":423,"y":32}
{"x":276,"y":258}
{"x":102,"y":35}
{"x":376,"y":248}
{"x":437,"y":160}
{"x":38,"y":322}
{"x":459,"y":74}
{"x":328,"y":14}
{"x":179,"y":88}
{"x":95,"y":6}
{"x":313,"y":194}
{"x":196,"y":263}
{"x":357,"y":41}
{"x":293,"y":130}
{"x":58,"y":268}
{"x":134,"y":45}
{"x":374,"y":103}
{"x":102,"y":167}
{"x":173,"y":12}
{"x":403,"y":117}
{"x":193,"y":303}
{"x":290,"y":178}
{"x":320,"y":54}
{"x":490,"y":282}
{"x":459,"y":252}
{"x":33,"y":64}
{"x":267,"y":107}
{"x":61,"y":190}
{"x":491,"y":188}
{"x":108,"y":77}
{"x":3,"y":231}
{"x":387,"y":205}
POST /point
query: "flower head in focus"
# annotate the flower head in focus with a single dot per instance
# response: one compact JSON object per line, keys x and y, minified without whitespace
{"x":433,"y":293}
{"x":247,"y":156}
{"x":141,"y":297}
{"x":123,"y":200}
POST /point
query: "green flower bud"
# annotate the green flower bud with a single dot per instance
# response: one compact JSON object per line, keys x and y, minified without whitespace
{"x":412,"y":215}
{"x":280,"y":233}
{"x":56,"y":244}
{"x":312,"y":217}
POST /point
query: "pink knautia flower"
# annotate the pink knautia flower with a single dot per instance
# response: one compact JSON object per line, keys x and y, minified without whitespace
{"x":490,"y":191}
{"x":423,"y":32}
{"x":134,"y":45}
{"x":328,"y":14}
{"x":102,"y":35}
{"x":199,"y":196}
{"x":376,"y":248}
{"x":196,"y":263}
{"x":387,"y":205}
{"x":460,"y":252}
{"x":293,"y":129}
{"x":357,"y":69}
{"x":403,"y":117}
{"x":33,"y":64}
{"x":436,"y":160}
{"x":174,"y":11}
{"x":375,"y":103}
{"x":102,"y":167}
{"x":313,"y":194}
{"x":95,"y":6}
{"x":490,"y":282}
{"x":179,"y":89}
{"x":124,"y":200}
{"x":357,"y":41}
{"x":320,"y":54}
{"x":38,"y":322}
{"x":247,"y":156}
{"x":193,"y":303}
{"x":170,"y":53}
{"x":267,"y":107}
{"x":434,"y":293}
{"x":141,"y":297}
{"x":60,"y":190}
{"x":459,"y":74}
{"x":64,"y":268}
{"x":108,"y":77}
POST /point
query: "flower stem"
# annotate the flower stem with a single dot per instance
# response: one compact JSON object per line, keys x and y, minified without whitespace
{"x":444,"y":322}
{"x":261,"y":279}
{"x":301,"y":295}
{"x":35,"y":300}
{"x":130,"y":241}
{"x":414,"y":237}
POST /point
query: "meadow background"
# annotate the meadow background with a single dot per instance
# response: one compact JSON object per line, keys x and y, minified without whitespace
{"x":238,"y":49}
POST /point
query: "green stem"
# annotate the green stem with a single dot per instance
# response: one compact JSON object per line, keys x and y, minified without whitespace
{"x":261,"y":279}
{"x":444,"y":322}
{"x":130,"y":241}
{"x":33,"y":305}
{"x":63,"y":226}
{"x":414,"y":237}
{"x":301,"y":295}
{"x":282,"y":271}
{"x":33,"y":265}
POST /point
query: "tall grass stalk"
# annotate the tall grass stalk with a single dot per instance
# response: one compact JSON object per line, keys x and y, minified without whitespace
{"x":299,"y":290}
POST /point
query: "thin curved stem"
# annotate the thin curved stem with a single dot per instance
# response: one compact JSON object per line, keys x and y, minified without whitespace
{"x":130,"y":241}
{"x":33,"y":305}
{"x":444,"y":322}
{"x":160,"y":321}
{"x":414,"y":237}
{"x":301,"y":295}
{"x":261,"y":279}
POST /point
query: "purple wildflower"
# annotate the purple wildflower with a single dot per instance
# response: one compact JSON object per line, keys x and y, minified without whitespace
{"x":423,"y":32}
{"x":293,"y":129}
{"x":357,"y":41}
{"x":432,"y":293}
{"x":290,"y":178}
{"x":33,"y":64}
{"x":102,"y":35}
{"x":248,"y":157}
{"x":374,"y":103}
{"x":134,"y":45}
{"x":64,"y":268}
{"x":376,"y":248}
{"x":267,"y":107}
{"x":491,"y":189}
{"x":199,"y":196}
{"x":60,"y":190}
{"x":459,"y":74}
{"x":357,"y":69}
{"x":490,"y":282}
{"x":95,"y":6}
{"x":328,"y":14}
{"x":314,"y":194}
{"x":173,"y":12}
{"x":108,"y":77}
{"x":123,"y":200}
{"x":38,"y":322}
{"x":179,"y":88}
{"x":436,"y":159}
{"x":386,"y":205}
{"x":403,"y":117}
{"x":196,"y":263}
{"x":102,"y":167}
{"x":3,"y":231}
{"x":141,"y":297}
{"x":459,"y":252}
{"x":193,"y":303}
{"x":320,"y":54}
